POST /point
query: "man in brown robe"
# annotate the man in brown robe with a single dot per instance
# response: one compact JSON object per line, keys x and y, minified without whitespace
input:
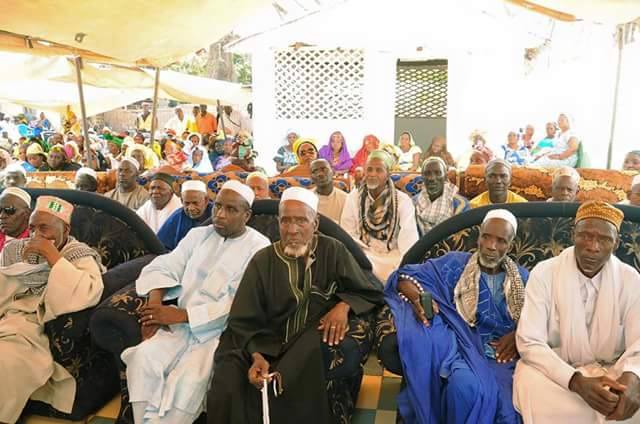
{"x":293,"y":306}
{"x":41,"y":278}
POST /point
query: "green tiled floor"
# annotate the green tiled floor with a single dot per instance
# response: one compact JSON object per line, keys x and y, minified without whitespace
{"x":377,"y":401}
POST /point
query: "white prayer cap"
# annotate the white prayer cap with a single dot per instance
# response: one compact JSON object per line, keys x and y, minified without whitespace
{"x":241,"y":189}
{"x":15,"y":167}
{"x":258,"y":174}
{"x":502,"y":214}
{"x":19,"y":193}
{"x":300,"y":194}
{"x":567,"y":171}
{"x":87,"y":171}
{"x":636,"y":180}
{"x":194,"y":185}
{"x":132,"y":161}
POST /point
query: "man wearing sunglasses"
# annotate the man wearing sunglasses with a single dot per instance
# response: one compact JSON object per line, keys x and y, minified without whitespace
{"x":15,"y":208}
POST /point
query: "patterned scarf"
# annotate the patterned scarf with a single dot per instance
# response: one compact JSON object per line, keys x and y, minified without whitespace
{"x":72,"y":251}
{"x":467,"y":289}
{"x":431,"y":213}
{"x":379,"y":217}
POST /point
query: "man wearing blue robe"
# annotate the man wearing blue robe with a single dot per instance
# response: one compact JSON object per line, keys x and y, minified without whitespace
{"x":458,"y":366}
{"x":196,"y":208}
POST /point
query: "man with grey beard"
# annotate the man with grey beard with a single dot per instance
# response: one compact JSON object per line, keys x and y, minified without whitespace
{"x":460,"y":353}
{"x":291,"y":310}
{"x":380,"y":217}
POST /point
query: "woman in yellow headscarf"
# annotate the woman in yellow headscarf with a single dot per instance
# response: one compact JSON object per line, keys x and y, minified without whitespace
{"x":71,"y":122}
{"x":306,"y":151}
{"x":145,"y":157}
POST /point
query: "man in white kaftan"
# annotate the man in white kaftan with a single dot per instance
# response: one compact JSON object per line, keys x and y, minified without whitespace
{"x":63,"y":276}
{"x":168,"y":374}
{"x":380,"y":217}
{"x":162,"y":202}
{"x":579,"y":332}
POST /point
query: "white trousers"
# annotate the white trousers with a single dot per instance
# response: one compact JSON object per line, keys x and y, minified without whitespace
{"x":168,"y":376}
{"x":542,"y":401}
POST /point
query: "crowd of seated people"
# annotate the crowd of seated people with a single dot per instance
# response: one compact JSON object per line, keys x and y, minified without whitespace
{"x":250,"y":312}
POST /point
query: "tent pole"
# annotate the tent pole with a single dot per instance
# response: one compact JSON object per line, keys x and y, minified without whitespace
{"x":154,"y":108}
{"x":83,"y":111}
{"x":221,"y":116}
{"x":620,"y":32}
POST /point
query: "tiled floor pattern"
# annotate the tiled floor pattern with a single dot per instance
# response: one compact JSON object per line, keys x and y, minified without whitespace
{"x":376,"y":403}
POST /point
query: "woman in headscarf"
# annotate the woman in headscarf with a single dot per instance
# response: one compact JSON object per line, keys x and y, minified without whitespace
{"x":216,"y":151}
{"x":478,"y":150}
{"x":174,"y":156}
{"x":72,"y":151}
{"x":632,"y":161}
{"x":369,"y":144}
{"x":227,"y":154}
{"x":145,"y":157}
{"x":306,"y":151}
{"x":438,"y":148}
{"x":285,"y":158}
{"x":199,"y":161}
{"x":243,"y":151}
{"x":193,"y":140}
{"x":409,"y":159}
{"x":565,"y":150}
{"x":336,"y":153}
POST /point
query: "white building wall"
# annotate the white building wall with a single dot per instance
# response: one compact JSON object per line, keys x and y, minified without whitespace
{"x":378,"y":114}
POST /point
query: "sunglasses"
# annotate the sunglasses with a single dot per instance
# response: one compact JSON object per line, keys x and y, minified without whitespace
{"x":10,"y":210}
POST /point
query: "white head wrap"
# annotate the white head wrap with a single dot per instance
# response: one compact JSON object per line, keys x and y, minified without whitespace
{"x":19,"y":193}
{"x":241,"y":189}
{"x":258,"y":174}
{"x":87,"y":171}
{"x":636,"y":180}
{"x":567,"y":171}
{"x":300,"y":194}
{"x":504,"y":215}
{"x":194,"y":185}
{"x":132,"y":161}
{"x":15,"y":167}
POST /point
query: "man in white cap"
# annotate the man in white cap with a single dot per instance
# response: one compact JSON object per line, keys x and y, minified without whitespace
{"x":259,"y":183}
{"x":169,"y":372}
{"x":128,"y":191}
{"x":459,"y":352}
{"x":15,"y":209}
{"x":633,"y":197}
{"x":564,"y":186}
{"x":292,"y":310}
{"x":15,"y":176}
{"x":87,"y":179}
{"x":42,"y":277}
{"x":380,"y":217}
{"x":196,"y":208}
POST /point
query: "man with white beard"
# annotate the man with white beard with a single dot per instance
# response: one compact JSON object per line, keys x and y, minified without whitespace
{"x":380,"y":217}
{"x":293,"y":305}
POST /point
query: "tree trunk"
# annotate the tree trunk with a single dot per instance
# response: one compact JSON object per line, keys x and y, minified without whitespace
{"x":220,"y":62}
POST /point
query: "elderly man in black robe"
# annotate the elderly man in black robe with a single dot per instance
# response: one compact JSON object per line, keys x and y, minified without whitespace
{"x":289,"y":328}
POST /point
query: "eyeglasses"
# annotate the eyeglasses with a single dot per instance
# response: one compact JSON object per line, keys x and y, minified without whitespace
{"x":10,"y":210}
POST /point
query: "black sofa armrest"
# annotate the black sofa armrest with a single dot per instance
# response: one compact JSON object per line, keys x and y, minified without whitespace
{"x":114,"y":322}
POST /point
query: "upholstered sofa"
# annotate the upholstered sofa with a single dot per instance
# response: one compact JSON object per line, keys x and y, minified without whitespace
{"x":114,"y":324}
{"x":119,"y":236}
{"x":531,"y":183}
{"x":544,"y":230}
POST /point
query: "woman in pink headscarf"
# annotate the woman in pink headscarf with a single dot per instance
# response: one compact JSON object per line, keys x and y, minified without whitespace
{"x":336,"y":153}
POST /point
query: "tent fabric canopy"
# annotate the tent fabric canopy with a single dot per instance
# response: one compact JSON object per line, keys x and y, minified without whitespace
{"x":49,"y":83}
{"x":141,"y":32}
